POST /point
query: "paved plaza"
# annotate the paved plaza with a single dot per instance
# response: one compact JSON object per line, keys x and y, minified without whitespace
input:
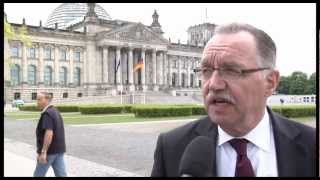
{"x":124,"y":149}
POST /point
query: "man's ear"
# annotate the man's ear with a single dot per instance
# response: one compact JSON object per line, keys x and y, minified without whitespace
{"x":272,"y":81}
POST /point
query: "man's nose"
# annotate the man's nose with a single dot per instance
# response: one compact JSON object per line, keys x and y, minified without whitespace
{"x":216,"y":82}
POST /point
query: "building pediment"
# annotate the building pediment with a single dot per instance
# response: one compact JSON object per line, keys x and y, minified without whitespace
{"x":135,"y":32}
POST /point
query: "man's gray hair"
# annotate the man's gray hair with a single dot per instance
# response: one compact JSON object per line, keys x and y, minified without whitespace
{"x":47,"y":95}
{"x":265,"y":45}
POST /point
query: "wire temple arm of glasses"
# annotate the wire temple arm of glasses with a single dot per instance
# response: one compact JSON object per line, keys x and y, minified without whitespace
{"x":197,"y":70}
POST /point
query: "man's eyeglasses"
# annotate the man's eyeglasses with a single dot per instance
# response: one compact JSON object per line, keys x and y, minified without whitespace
{"x":226,"y":73}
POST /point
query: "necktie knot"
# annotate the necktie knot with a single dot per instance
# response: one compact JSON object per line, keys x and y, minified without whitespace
{"x":240,"y":145}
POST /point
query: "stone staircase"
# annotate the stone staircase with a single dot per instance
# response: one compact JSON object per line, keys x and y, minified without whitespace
{"x":149,"y":97}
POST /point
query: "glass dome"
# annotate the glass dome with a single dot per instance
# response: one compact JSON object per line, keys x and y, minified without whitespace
{"x":70,"y":13}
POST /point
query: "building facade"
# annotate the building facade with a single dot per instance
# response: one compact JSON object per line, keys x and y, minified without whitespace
{"x":96,"y":56}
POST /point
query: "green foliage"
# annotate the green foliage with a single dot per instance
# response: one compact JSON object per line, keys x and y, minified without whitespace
{"x":127,"y":108}
{"x":29,"y":108}
{"x":297,"y":84}
{"x":102,"y":109}
{"x":295,"y":110}
{"x":67,"y":108}
{"x":61,"y":108}
{"x":198,"y":110}
{"x":162,"y":111}
{"x":312,"y":84}
{"x":284,"y":85}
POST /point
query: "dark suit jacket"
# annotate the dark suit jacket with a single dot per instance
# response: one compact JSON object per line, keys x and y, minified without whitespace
{"x":295,"y":146}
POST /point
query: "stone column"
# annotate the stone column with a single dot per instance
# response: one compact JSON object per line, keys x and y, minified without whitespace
{"x":169,"y":72}
{"x":135,"y":61}
{"x":196,"y":78}
{"x":154,"y":70}
{"x":130,"y":68}
{"x":105,"y":53}
{"x":24,"y":81}
{"x":165,"y":69}
{"x":143,"y":70}
{"x":56,"y":65}
{"x":85,"y":67}
{"x":71,"y":66}
{"x":160,"y":68}
{"x":41,"y":66}
{"x":188,"y":73}
{"x":118,"y":73}
{"x":179,"y":72}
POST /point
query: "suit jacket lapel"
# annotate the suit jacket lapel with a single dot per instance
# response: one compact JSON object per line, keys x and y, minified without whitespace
{"x":287,"y":149}
{"x":209,"y":129}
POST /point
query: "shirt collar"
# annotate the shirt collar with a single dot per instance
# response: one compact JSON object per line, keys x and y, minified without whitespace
{"x":259,"y":136}
{"x":44,"y":109}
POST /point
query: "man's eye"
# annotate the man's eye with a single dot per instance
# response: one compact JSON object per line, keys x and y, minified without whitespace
{"x":206,"y":70}
{"x":232,"y":71}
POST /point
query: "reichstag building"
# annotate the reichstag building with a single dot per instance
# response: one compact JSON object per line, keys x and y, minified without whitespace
{"x":80,"y":51}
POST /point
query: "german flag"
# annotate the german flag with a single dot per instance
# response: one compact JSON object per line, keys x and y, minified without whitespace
{"x":138,"y":65}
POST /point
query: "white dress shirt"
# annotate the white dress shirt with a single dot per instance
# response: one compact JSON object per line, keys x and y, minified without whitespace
{"x":260,"y":150}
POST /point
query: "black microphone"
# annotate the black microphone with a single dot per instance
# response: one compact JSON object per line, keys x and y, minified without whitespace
{"x":197,"y":159}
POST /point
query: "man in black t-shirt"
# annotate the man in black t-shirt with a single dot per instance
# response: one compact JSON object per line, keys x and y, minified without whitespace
{"x":51,"y":144}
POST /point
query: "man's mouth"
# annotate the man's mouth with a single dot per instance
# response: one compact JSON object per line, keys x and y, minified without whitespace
{"x":220,"y":101}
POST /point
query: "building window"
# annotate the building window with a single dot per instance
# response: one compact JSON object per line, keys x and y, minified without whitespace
{"x":32,"y":75}
{"x":183,"y":80}
{"x":33,"y":96}
{"x":77,"y":76}
{"x":63,"y":76}
{"x":63,"y":55}
{"x":48,"y":76}
{"x":15,"y":75}
{"x":47,"y":53}
{"x":191,"y":80}
{"x":14,"y":51}
{"x":51,"y":94}
{"x":32,"y":53}
{"x":174,"y":77}
{"x":79,"y":95}
{"x":17,"y":96}
{"x":65,"y":95}
{"x":77,"y":56}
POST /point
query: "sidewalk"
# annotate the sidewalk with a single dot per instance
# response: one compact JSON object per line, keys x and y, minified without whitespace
{"x":19,"y":166}
{"x":20,"y":161}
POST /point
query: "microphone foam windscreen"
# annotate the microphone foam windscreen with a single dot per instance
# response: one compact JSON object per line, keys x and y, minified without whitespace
{"x":197,"y":159}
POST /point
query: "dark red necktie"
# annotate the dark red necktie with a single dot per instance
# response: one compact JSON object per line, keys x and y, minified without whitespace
{"x":243,"y":166}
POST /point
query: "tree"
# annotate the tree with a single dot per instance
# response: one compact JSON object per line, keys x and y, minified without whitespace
{"x":284,"y":85}
{"x":10,"y":33}
{"x":298,"y":83}
{"x":312,"y":84}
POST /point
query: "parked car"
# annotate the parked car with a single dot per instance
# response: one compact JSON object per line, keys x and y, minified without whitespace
{"x":17,"y":103}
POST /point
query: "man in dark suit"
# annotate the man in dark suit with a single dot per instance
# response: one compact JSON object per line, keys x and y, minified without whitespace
{"x":238,"y":74}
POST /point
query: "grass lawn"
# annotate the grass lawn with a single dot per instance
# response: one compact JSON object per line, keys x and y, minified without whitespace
{"x":78,"y":118}
{"x":304,"y":119}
